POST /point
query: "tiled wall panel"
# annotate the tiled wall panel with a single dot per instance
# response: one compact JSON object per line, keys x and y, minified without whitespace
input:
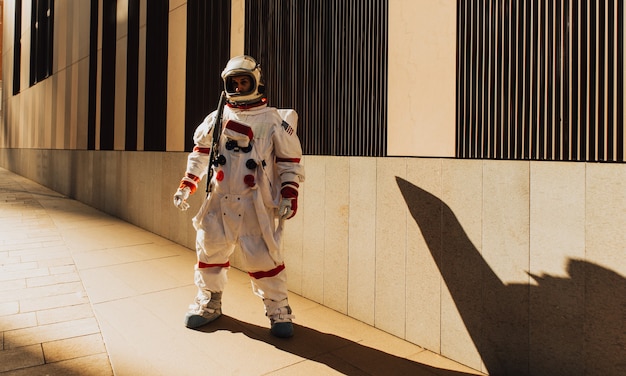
{"x":505,"y":251}
{"x":423,"y":279}
{"x":313,"y":251}
{"x":391,"y":237}
{"x":336,"y":235}
{"x":604,"y":268}
{"x":557,"y":237}
{"x":362,"y":239}
{"x":461,"y":263}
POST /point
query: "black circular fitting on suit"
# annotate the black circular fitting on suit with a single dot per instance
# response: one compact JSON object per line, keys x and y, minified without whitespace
{"x":251,"y":164}
{"x":219,"y":161}
{"x":231,"y":144}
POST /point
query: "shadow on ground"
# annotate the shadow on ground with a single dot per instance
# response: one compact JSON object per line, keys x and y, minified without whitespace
{"x":345,"y":356}
{"x":554,"y":326}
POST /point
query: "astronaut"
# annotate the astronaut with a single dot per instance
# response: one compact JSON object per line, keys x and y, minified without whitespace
{"x":253,"y":189}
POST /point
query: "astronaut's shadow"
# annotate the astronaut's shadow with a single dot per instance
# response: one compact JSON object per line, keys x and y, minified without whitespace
{"x":553,"y":325}
{"x":345,"y":356}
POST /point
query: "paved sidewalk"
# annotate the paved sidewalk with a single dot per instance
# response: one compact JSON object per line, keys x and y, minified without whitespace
{"x":84,"y":293}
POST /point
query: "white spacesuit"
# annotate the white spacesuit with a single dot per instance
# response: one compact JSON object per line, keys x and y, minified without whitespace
{"x":256,"y":176}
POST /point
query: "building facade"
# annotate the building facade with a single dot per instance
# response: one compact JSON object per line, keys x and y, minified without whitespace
{"x":465,"y":167}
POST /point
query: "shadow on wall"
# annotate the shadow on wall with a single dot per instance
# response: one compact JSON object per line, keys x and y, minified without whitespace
{"x":558,"y":326}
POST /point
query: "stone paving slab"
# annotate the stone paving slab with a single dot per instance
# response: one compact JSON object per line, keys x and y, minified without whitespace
{"x":47,"y":324}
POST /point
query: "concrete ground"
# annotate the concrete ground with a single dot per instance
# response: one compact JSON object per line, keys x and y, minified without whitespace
{"x":84,"y":293}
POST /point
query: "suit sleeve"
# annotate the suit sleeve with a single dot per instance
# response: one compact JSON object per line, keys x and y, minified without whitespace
{"x":198,"y":159}
{"x":288,"y":151}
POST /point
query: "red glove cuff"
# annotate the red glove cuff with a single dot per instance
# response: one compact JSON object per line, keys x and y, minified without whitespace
{"x":289,"y":190}
{"x":190,"y":181}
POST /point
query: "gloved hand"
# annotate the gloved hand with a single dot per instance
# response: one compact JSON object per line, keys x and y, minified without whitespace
{"x":180,"y":198}
{"x":289,"y":203}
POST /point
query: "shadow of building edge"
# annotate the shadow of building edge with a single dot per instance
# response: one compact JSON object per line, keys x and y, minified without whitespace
{"x":560,"y":326}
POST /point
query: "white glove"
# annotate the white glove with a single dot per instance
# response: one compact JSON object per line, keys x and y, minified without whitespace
{"x":284,"y":209}
{"x":180,"y":198}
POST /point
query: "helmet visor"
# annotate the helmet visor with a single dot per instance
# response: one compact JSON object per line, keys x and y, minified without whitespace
{"x":239,"y":84}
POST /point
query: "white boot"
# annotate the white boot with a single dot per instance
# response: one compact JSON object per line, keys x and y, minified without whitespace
{"x":204,"y":310}
{"x":280,"y":317}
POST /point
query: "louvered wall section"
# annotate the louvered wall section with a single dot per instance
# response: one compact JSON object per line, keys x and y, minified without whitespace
{"x":327,"y":60}
{"x":540,"y":80}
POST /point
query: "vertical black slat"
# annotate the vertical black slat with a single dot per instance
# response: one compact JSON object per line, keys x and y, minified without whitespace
{"x":558,"y":75}
{"x":333,"y":117}
{"x":157,"y":12}
{"x":353,"y":56}
{"x":496,"y":51}
{"x":593,"y":24}
{"x":329,"y":117}
{"x":513,"y":79}
{"x":93,"y":75}
{"x":521,"y":64}
{"x":460,"y":73}
{"x":528,"y":43}
{"x":551,"y":87}
{"x":533,"y":123}
{"x":480,"y":80}
{"x":620,"y":82}
{"x":489,"y":149}
{"x":107,"y":94}
{"x":469,"y":88}
{"x":34,"y":42}
{"x":460,"y":83}
{"x":350,"y":54}
{"x":302,"y":45}
{"x":45,"y":39}
{"x":17,"y":47}
{"x":610,"y":120}
{"x":506,"y":73}
{"x":480,"y":126}
{"x":473,"y":120}
{"x":304,"y":74}
{"x":306,"y":108}
{"x":208,"y":24}
{"x":50,"y":38}
{"x":465,"y":62}
{"x":132,"y":75}
{"x":42,"y":16}
{"x":541,"y":77}
{"x":601,"y":66}
{"x":363,"y":138}
{"x":566,"y":149}
{"x":385,"y":86}
{"x":369,"y":23}
{"x":584,"y":82}
{"x":575,"y":120}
